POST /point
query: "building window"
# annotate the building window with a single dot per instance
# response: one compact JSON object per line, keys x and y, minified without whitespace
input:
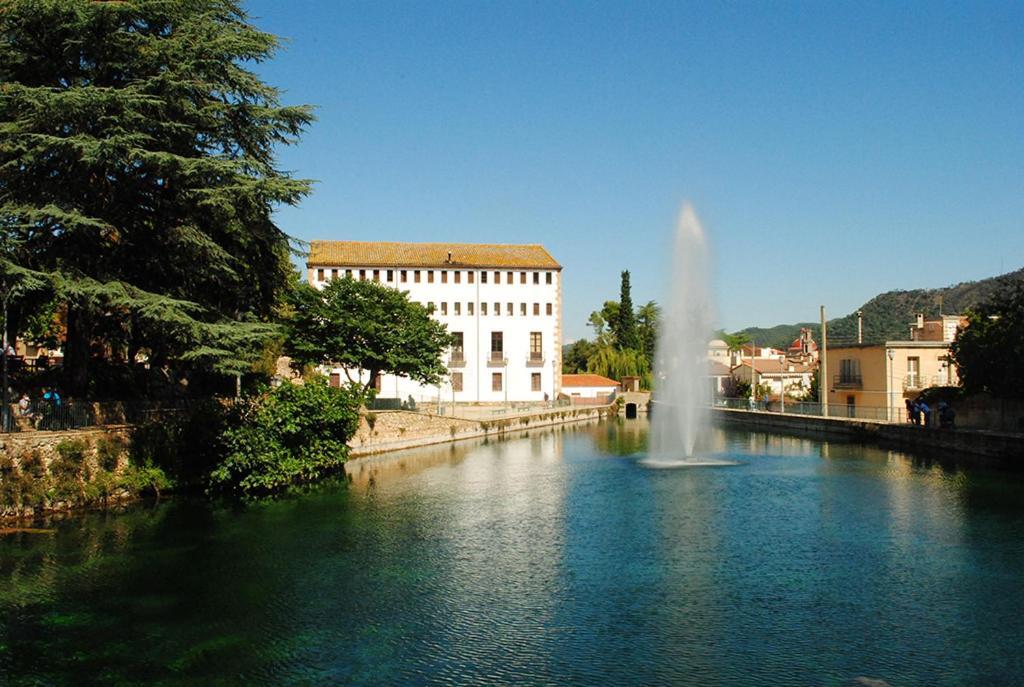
{"x":320,"y":274}
{"x":497,"y":346}
{"x":444,"y":276}
{"x":547,"y":277}
{"x":549,"y":309}
{"x":497,"y":309}
{"x":416,"y":276}
{"x":430,"y":276}
{"x":430,"y":307}
{"x":403,"y":276}
{"x":348,"y":274}
{"x":497,"y":277}
{"x":391,"y":275}
{"x":362,"y":275}
{"x":376,"y":275}
{"x":444,"y":307}
{"x":495,"y":381}
{"x":536,"y":277}
{"x":508,"y":309}
{"x":458,"y":308}
{"x":536,"y":347}
{"x":456,"y":381}
{"x":483,"y":278}
{"x":469,"y":306}
{"x":536,"y":309}
{"x":458,"y":276}
{"x":457,"y":349}
{"x":535,"y":381}
{"x":483,"y":308}
{"x":376,"y":382}
{"x":522,"y":309}
{"x":522,"y":277}
{"x":510,"y":279}
{"x":849,"y":371}
{"x":469,"y":277}
{"x":334,"y":274}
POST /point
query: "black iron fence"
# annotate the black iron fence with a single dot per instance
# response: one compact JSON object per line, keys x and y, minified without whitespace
{"x":47,"y":415}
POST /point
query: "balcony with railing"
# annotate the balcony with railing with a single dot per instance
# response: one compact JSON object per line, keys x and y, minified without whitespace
{"x":914,"y":381}
{"x":535,"y":359}
{"x":456,"y":359}
{"x":497,"y":359}
{"x":847,"y":381}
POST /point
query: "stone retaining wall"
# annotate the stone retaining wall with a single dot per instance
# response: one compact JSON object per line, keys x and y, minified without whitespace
{"x":18,"y":444}
{"x":1004,"y":446}
{"x":29,"y":481}
{"x":399,"y":429}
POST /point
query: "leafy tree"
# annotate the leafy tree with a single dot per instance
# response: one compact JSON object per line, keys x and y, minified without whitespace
{"x":615,"y":364}
{"x":813,"y":394}
{"x":137,"y":172}
{"x":365,"y":326}
{"x":624,"y":324}
{"x":602,"y":323}
{"x":295,"y":433}
{"x":575,"y":358}
{"x":735,"y":341}
{"x":989,"y":351}
{"x":648,"y":317}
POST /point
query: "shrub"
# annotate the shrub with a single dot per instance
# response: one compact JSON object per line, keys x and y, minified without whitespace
{"x":292,"y":434}
{"x":68,"y":472}
{"x":184,"y":447}
{"x":108,"y":452}
{"x":145,"y":479}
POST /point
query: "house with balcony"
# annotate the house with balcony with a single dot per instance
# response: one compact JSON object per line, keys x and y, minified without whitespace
{"x":874,"y":380}
{"x":502,"y":303}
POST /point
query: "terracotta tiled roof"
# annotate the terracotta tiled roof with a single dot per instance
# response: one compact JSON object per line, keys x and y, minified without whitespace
{"x":771,"y":367}
{"x":394,"y":254}
{"x":587,"y":380}
{"x":717,"y":369}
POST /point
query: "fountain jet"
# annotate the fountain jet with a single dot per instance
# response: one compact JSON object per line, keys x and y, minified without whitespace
{"x":682,"y":391}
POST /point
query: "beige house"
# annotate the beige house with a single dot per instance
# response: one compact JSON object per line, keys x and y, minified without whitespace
{"x":777,"y":374}
{"x":873,"y":381}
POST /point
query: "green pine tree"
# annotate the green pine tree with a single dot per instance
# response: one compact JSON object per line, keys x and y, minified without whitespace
{"x":624,"y":327}
{"x":137,"y":173}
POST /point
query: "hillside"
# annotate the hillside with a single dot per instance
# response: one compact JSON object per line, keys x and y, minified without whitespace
{"x":887,"y":316}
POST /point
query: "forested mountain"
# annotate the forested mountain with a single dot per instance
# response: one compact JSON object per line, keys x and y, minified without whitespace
{"x":887,"y":316}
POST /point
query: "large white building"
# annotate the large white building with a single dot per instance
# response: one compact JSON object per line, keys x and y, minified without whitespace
{"x":502,"y":302}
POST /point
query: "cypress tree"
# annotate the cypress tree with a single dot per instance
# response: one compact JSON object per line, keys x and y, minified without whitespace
{"x":626,"y":335}
{"x":137,"y":173}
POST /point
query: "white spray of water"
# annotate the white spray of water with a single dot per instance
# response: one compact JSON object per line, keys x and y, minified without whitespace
{"x":680,"y":367}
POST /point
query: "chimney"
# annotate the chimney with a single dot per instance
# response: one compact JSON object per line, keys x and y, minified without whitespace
{"x":449,"y":257}
{"x":920,"y":320}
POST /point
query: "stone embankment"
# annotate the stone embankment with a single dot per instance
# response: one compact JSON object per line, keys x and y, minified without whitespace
{"x":1003,"y":446}
{"x":399,"y":429}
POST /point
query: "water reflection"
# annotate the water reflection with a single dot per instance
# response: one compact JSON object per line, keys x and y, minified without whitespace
{"x":551,"y":557}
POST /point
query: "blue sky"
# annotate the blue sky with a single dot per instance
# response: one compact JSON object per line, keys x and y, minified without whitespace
{"x":832,"y":150}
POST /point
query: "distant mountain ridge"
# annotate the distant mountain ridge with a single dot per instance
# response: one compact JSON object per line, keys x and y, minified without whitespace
{"x":887,"y":316}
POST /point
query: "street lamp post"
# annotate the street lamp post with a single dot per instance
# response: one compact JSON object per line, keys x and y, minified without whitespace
{"x":889,"y":386}
{"x":782,"y":383}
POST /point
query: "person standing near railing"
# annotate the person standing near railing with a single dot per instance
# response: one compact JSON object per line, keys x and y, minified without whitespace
{"x":51,"y":409}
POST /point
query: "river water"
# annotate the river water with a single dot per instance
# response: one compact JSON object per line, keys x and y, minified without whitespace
{"x":551,"y":558}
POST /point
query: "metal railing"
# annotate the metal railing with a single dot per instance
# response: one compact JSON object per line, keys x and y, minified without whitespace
{"x":847,"y":381}
{"x":45,"y":415}
{"x":858,"y":412}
